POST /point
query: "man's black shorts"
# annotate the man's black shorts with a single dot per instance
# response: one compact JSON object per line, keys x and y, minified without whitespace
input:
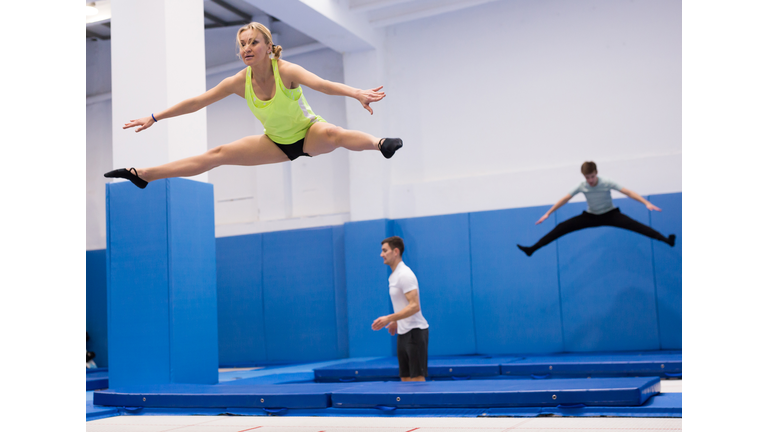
{"x":412,"y":353}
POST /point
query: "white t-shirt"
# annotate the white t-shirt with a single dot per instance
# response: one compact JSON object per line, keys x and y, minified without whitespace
{"x":401,"y":281}
{"x":599,"y":197}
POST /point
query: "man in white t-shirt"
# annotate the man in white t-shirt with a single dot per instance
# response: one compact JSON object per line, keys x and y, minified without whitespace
{"x":407,"y":321}
{"x":600,"y":211}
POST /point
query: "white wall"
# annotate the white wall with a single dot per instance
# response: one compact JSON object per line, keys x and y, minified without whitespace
{"x":498,"y":106}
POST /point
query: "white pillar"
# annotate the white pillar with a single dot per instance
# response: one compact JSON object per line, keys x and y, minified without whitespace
{"x":158,"y":60}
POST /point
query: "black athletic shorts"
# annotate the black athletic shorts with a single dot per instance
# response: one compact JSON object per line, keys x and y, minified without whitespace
{"x":412,"y":353}
{"x":293,"y":150}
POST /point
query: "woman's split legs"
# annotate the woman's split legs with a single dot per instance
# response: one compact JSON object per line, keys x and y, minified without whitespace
{"x":248,"y":151}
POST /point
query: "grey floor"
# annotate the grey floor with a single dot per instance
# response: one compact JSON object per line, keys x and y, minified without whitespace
{"x":379,"y":424}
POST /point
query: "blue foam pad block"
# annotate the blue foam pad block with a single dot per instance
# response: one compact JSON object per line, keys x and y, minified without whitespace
{"x":161,"y":261}
{"x":437,"y":250}
{"x":649,"y":363}
{"x":96,"y":379}
{"x":448,"y":367}
{"x":606,"y":285}
{"x":516,"y":298}
{"x":239,"y":299}
{"x":310,"y":395}
{"x":668,"y":269}
{"x":660,"y":405}
{"x":498,"y":393}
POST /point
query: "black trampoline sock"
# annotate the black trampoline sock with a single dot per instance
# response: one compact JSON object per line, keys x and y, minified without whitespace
{"x":388,"y":146}
{"x":671,"y":240}
{"x":527,"y":249}
{"x":128,"y":175}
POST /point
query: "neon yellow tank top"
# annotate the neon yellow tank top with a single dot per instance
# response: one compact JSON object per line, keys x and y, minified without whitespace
{"x":287,"y":117}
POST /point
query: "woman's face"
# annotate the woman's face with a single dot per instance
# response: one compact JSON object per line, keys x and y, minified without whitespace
{"x":254,"y":51}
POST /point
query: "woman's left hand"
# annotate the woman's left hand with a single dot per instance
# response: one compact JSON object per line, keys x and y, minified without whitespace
{"x":373,"y":95}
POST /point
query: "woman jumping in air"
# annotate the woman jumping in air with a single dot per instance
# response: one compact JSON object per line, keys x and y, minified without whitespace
{"x":272,"y":89}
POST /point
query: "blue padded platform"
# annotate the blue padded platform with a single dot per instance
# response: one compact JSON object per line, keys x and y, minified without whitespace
{"x":498,"y":393}
{"x":311,"y":395}
{"x":391,"y":395}
{"x":386,"y":368}
{"x":643,"y":363}
{"x":96,"y":379}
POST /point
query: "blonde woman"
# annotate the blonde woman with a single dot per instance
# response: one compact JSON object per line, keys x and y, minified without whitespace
{"x":272,"y":89}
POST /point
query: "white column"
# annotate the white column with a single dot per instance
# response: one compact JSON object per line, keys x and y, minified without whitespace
{"x":158,"y":60}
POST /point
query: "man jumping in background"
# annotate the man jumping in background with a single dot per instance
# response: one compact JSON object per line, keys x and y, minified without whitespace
{"x":407,"y":321}
{"x":600,"y":211}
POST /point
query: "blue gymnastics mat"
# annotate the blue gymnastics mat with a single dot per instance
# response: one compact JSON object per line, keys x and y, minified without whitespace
{"x":96,"y":379}
{"x":498,"y":393}
{"x":664,"y":364}
{"x":389,"y":395}
{"x":311,"y":395}
{"x":668,"y":405}
{"x":439,"y":368}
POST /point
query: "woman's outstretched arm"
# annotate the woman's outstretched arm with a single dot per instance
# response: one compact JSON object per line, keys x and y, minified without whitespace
{"x":298,"y":75}
{"x":225,"y":88}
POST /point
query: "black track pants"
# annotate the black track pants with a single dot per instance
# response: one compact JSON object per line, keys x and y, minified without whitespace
{"x":612,"y":218}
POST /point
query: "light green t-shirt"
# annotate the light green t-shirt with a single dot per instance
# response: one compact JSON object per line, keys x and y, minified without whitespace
{"x":599,"y":197}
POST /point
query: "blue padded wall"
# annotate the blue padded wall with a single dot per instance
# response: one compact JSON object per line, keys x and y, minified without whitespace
{"x":96,"y":304}
{"x":437,"y":250}
{"x":668,"y":269}
{"x":161,"y":283}
{"x":240,"y":303}
{"x":606,"y":284}
{"x":367,"y":287}
{"x":300,"y":295}
{"x":340,"y":288}
{"x":516,"y":297}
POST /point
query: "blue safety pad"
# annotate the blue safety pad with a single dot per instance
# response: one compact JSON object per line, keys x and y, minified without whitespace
{"x":309,"y":395}
{"x":239,"y":300}
{"x":516,"y":298}
{"x":660,"y":405}
{"x":161,"y":283}
{"x":300,"y":295}
{"x":96,"y":379}
{"x":446,"y":367}
{"x":498,"y":393}
{"x":668,"y":269}
{"x":606,"y":285}
{"x":437,"y":250}
{"x":96,"y":304}
{"x":650,"y":363}
{"x":367,"y":287}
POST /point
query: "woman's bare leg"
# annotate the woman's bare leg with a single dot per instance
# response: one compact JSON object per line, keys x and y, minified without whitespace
{"x":324,"y":138}
{"x":248,"y":151}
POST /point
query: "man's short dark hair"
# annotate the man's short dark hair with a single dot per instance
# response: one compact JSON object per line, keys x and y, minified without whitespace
{"x":588,"y":168}
{"x":395,"y":242}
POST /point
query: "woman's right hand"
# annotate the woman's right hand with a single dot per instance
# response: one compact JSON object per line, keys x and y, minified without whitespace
{"x":143,"y":123}
{"x":543,"y":218}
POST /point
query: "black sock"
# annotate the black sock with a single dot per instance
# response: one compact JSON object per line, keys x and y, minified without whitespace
{"x":128,"y":175}
{"x":389,"y":146}
{"x":527,"y":249}
{"x":671,"y":240}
